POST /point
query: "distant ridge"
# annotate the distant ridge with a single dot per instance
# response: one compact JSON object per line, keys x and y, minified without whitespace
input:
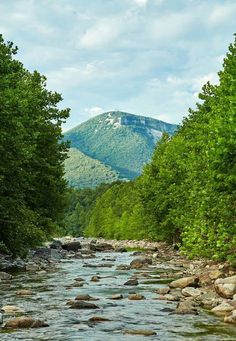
{"x":121,"y":141}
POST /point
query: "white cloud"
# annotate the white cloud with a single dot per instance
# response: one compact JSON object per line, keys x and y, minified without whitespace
{"x":101,"y":34}
{"x":94,"y":111}
{"x":141,"y":3}
{"x":74,"y":75}
{"x":221,"y":13}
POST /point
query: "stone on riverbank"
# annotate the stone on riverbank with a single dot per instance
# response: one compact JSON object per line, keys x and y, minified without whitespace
{"x":25,"y":322}
{"x":185,"y":307}
{"x":231,"y":318}
{"x":223,"y":309}
{"x":226,"y":287}
{"x":209,"y":300}
{"x":191,"y":292}
{"x":100,"y":247}
{"x":184,"y":282}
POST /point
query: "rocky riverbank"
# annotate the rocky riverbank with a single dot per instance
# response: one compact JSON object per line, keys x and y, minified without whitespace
{"x":192,"y":286}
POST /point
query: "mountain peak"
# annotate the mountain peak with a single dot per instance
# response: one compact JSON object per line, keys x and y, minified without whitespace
{"x":120,"y":140}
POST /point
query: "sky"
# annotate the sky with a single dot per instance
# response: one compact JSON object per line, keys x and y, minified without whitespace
{"x":146,"y":57}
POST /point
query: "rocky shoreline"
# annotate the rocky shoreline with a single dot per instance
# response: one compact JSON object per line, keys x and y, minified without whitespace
{"x":192,"y":284}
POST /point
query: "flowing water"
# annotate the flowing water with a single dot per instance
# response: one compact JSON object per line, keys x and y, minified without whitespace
{"x":53,"y":289}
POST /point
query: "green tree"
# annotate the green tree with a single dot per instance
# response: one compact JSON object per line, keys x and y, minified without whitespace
{"x":32,"y":154}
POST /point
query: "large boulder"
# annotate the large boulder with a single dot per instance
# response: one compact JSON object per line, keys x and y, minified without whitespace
{"x":72,"y":246}
{"x":184,"y":282}
{"x":25,"y":322}
{"x":226,"y":287}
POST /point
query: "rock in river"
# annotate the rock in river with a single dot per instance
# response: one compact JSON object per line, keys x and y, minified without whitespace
{"x":25,"y":322}
{"x":136,"y":297}
{"x":144,"y":332}
{"x":131,"y":282}
{"x":12,"y":309}
{"x":24,"y":292}
{"x":116,"y":297}
{"x":5,"y":275}
{"x":82,"y":305}
{"x":138,"y":263}
{"x":86,"y":297}
{"x":98,"y":319}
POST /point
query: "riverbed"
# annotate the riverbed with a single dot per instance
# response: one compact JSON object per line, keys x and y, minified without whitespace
{"x":52,"y":289}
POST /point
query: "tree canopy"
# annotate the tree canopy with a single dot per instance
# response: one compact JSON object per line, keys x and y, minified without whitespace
{"x":32,"y":154}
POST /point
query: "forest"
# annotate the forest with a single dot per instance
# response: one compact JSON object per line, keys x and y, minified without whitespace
{"x":32,"y":185}
{"x":185,"y":195}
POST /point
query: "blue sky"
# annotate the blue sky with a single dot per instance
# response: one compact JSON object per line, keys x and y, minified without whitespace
{"x":148,"y":57}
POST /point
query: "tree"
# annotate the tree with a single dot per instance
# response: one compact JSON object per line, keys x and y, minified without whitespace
{"x":32,"y":154}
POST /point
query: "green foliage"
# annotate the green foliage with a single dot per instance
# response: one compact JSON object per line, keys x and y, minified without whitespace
{"x":123,"y":141}
{"x":188,"y":189}
{"x":187,"y":193}
{"x":117,"y":214}
{"x":32,"y":155}
{"x":82,"y":171}
{"x":79,"y":206}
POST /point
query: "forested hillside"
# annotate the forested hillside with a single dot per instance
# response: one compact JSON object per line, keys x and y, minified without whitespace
{"x":32,"y":186}
{"x":123,"y":142}
{"x":82,"y":171}
{"x":187,"y":193}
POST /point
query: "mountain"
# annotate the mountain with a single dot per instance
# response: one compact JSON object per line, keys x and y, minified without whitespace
{"x":122,"y":141}
{"x":83,"y":171}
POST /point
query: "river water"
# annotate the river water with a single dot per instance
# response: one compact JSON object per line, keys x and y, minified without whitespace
{"x":51,"y":291}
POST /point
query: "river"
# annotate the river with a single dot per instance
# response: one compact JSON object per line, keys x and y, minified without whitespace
{"x":52,"y":289}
